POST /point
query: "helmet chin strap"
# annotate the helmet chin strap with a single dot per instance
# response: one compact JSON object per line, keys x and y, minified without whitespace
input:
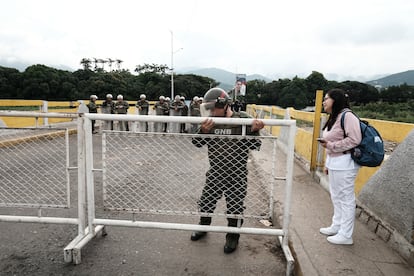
{"x":225,"y":110}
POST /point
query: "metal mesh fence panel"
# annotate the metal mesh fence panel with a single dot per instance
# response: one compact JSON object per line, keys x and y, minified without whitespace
{"x":184,"y":174}
{"x":33,"y":168}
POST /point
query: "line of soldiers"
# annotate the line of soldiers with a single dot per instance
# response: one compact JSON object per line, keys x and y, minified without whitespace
{"x":163,"y":107}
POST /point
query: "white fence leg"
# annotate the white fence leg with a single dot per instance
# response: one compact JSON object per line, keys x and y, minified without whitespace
{"x":45,"y":110}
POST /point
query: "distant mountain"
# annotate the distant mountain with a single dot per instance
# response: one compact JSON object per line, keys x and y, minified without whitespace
{"x":395,"y":79}
{"x":226,"y":78}
{"x":21,"y":66}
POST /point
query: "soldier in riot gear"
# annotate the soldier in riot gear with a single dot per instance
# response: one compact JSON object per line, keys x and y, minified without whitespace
{"x":143,"y":105}
{"x":227,"y":174}
{"x":143,"y":108}
{"x":121,"y":107}
{"x":195,"y":107}
{"x":184,"y":112}
{"x":195,"y":111}
{"x":93,"y":108}
{"x":162,"y":108}
{"x":108,"y":107}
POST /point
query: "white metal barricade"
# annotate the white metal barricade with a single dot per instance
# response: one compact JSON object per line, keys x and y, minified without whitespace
{"x":35,"y":174}
{"x":191,"y":156}
{"x":133,"y":182}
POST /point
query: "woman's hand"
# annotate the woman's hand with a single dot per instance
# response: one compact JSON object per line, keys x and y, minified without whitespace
{"x":323,"y":143}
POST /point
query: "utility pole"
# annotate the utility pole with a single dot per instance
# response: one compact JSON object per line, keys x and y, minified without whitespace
{"x":172,"y":64}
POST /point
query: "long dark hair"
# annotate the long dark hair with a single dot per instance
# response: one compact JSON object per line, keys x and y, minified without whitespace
{"x":340,"y":101}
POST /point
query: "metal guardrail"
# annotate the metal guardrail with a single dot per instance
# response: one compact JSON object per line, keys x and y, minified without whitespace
{"x":165,"y":173}
{"x":185,"y":156}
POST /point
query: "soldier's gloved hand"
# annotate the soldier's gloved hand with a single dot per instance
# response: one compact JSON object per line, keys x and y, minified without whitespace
{"x":257,"y":125}
{"x":206,"y":126}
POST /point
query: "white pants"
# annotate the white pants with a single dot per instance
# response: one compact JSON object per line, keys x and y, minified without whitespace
{"x":341,"y":186}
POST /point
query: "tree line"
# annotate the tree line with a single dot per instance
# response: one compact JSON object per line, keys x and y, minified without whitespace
{"x":299,"y":92}
{"x":47,"y":83}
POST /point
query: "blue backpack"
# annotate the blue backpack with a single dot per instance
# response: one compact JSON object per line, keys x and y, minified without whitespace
{"x":370,"y":152}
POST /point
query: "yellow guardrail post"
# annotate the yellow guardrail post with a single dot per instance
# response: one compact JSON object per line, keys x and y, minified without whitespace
{"x":316,"y":129}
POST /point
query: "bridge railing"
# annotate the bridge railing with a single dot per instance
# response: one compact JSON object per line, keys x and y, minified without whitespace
{"x":309,"y":128}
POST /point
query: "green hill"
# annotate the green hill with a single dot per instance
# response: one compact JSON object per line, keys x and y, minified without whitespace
{"x":226,"y":78}
{"x":395,"y":79}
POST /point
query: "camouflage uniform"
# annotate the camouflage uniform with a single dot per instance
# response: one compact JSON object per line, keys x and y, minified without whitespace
{"x":143,"y":108}
{"x":121,"y":107}
{"x":184,"y":113}
{"x":108,"y":107}
{"x":194,"y":111}
{"x":228,"y":169}
{"x":161,"y":109}
{"x":176,"y":109}
{"x":93,"y":108}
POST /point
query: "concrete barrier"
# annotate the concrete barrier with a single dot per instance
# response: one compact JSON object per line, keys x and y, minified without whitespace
{"x":389,"y":194}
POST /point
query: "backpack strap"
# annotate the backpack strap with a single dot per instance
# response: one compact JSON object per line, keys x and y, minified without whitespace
{"x":343,"y":119}
{"x":343,"y":124}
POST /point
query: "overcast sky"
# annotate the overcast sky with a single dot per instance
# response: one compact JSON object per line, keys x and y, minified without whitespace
{"x":354,"y":39}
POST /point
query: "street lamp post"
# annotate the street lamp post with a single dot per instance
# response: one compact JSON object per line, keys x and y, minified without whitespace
{"x":172,"y":64}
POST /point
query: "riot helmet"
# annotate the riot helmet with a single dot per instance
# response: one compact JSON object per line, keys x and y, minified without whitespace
{"x":214,"y":98}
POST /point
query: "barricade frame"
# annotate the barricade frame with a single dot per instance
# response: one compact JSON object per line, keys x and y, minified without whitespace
{"x":84,"y":233}
{"x":89,"y":226}
{"x":283,"y":233}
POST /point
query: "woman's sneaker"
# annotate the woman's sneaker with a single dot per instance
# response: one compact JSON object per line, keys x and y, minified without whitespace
{"x":339,"y":239}
{"x":328,"y":231}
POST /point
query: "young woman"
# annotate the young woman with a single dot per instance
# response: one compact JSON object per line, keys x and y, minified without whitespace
{"x":339,"y":166}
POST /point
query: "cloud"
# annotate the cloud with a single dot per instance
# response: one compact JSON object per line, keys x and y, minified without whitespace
{"x":273,"y":38}
{"x":374,"y":34}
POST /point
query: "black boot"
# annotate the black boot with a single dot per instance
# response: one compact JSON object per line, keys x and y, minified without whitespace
{"x":196,"y":235}
{"x":232,"y":240}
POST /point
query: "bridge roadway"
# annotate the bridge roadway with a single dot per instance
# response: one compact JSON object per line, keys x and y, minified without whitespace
{"x":36,"y":249}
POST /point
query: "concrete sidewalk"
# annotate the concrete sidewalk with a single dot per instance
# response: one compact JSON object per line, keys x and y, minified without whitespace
{"x":312,"y":209}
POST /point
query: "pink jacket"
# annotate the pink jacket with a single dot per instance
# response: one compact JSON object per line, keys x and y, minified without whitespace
{"x":337,"y":143}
